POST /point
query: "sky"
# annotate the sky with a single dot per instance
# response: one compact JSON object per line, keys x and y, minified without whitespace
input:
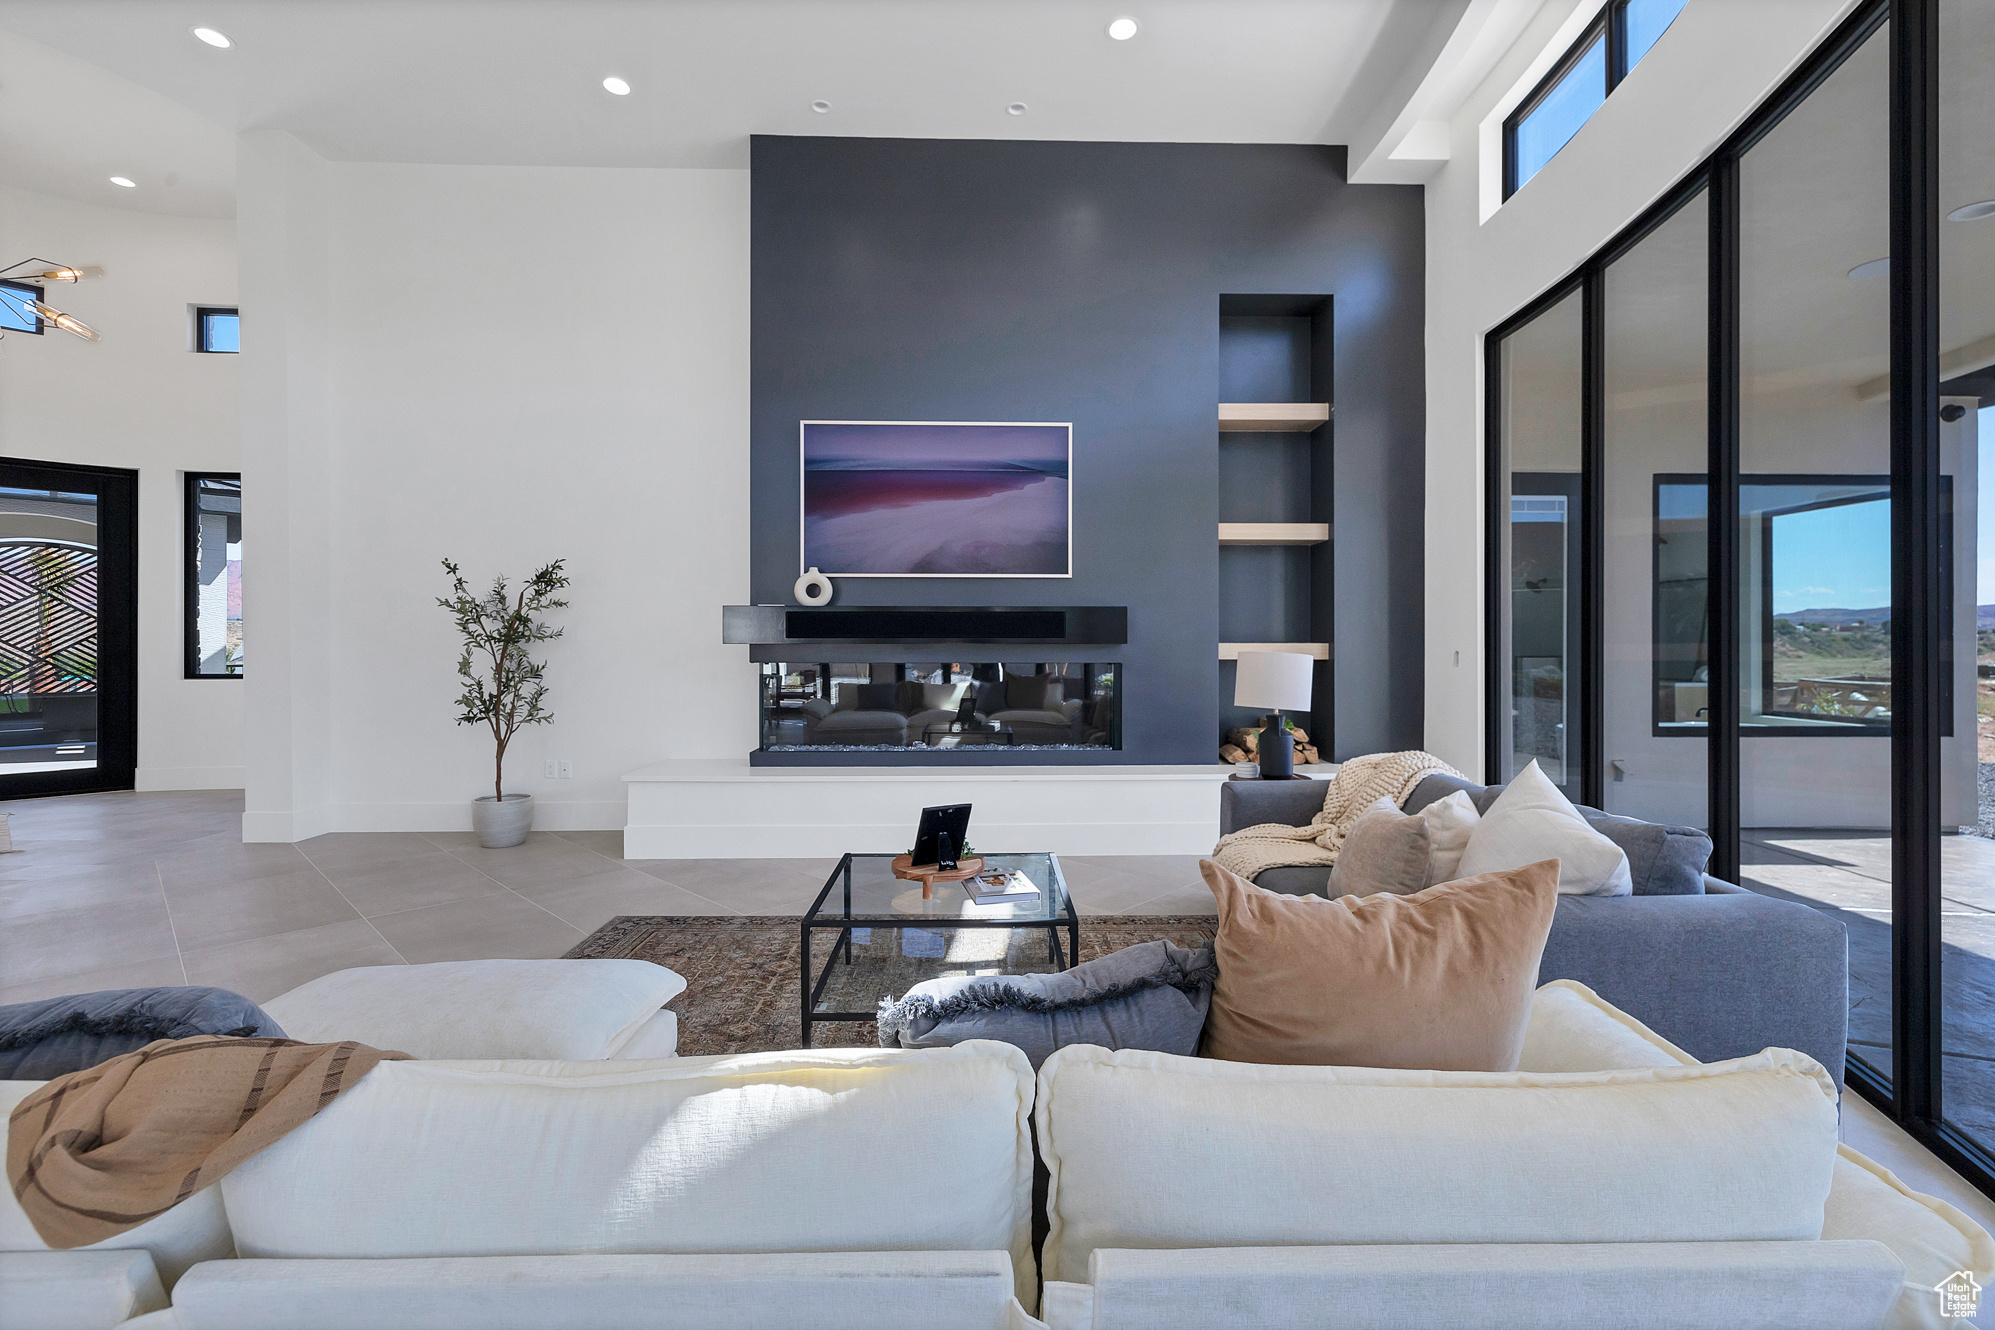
{"x":1833,"y":558}
{"x":1841,"y":557}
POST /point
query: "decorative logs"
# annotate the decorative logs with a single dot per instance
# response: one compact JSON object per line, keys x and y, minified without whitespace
{"x":1243,"y":744}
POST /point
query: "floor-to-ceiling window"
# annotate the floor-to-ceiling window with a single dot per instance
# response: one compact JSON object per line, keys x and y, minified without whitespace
{"x":1966,"y":204}
{"x":1813,"y":531}
{"x":1772,"y":626}
{"x":1539,"y":365}
{"x":1656,"y":630}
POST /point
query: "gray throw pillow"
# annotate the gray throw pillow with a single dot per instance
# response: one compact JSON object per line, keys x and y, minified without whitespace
{"x":1662,"y":860}
{"x":42,"y":1040}
{"x":1151,"y":996}
{"x":1384,"y":851}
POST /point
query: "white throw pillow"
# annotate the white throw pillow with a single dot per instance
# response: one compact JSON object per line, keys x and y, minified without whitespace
{"x":1450,"y":823}
{"x":1531,"y":822}
{"x":573,"y":1011}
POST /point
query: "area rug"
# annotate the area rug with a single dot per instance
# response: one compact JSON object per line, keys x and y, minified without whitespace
{"x":742,"y":973}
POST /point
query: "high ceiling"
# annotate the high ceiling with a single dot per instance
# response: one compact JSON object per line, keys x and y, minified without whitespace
{"x":94,"y":87}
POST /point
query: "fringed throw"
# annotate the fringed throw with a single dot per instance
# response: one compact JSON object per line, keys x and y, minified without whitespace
{"x":1358,"y":784}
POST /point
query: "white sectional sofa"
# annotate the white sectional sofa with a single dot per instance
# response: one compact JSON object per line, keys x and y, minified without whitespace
{"x":843,"y":1189}
{"x":1613,"y":1181}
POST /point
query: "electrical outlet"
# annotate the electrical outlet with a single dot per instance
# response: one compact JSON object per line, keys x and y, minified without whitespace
{"x":553,"y":769}
{"x":567,"y":770}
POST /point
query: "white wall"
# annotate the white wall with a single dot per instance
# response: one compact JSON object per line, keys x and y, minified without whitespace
{"x":140,"y":398}
{"x":519,"y":364}
{"x":1706,"y":74}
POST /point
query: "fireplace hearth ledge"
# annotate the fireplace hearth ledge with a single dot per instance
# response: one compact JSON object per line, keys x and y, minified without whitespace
{"x":723,"y":808}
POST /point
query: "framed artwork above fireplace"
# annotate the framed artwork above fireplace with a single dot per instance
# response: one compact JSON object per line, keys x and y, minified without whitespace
{"x":936,"y":498}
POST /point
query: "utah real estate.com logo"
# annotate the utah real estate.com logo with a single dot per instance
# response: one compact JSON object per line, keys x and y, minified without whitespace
{"x":1960,"y":1295}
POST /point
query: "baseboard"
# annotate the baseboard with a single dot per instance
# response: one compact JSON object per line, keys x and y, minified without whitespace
{"x":455,"y":815}
{"x":283,"y":827}
{"x":188,"y":778}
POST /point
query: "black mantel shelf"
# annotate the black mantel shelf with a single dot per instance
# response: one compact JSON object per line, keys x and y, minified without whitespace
{"x":922,"y":626}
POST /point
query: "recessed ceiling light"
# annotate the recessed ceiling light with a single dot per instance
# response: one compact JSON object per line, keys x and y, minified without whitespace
{"x":1973,"y":212}
{"x":213,"y":38}
{"x":616,"y":85}
{"x":820,"y":106}
{"x":1875,"y":268}
{"x":1016,"y":108}
{"x":1122,"y":29}
{"x":128,"y":184}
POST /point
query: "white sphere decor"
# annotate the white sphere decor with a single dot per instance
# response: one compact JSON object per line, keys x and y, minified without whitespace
{"x":813,"y":588}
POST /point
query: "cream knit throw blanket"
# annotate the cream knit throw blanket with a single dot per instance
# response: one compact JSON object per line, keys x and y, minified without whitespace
{"x":1358,"y":784}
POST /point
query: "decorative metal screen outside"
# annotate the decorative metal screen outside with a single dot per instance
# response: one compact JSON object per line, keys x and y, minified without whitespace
{"x":48,"y":618}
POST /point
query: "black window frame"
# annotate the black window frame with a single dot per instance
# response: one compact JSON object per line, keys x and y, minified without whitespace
{"x":1612,"y":24}
{"x":201,"y":315}
{"x":1658,"y":729}
{"x":41,"y":324}
{"x":190,"y":573}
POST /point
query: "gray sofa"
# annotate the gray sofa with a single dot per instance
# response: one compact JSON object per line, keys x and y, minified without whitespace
{"x":1721,"y":971}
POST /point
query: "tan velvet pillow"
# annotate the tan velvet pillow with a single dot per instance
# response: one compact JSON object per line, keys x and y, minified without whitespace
{"x":1385,"y":850}
{"x":1440,"y":980}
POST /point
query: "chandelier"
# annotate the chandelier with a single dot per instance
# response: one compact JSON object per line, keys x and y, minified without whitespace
{"x":31,"y":306}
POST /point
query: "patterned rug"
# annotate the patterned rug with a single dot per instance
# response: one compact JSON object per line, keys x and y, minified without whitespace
{"x":743,"y":990}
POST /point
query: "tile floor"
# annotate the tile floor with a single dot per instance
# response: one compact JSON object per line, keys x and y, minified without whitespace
{"x":129,"y":890}
{"x":1848,"y":874}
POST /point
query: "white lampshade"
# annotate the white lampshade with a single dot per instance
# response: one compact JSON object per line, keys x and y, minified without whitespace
{"x":1274,"y":680}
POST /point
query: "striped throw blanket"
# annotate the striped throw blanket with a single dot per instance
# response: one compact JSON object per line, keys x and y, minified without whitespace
{"x":1358,"y":784}
{"x":99,"y":1151}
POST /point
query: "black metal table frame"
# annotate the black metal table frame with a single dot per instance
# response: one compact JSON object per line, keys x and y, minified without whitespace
{"x":847,"y":921}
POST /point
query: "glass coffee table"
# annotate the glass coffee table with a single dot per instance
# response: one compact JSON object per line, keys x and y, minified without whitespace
{"x":899,"y":939}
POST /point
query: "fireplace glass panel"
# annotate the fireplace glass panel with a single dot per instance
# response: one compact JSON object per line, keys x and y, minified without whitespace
{"x":874,"y":706}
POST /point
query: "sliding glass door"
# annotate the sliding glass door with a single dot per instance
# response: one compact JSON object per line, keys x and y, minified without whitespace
{"x":1542,"y":506}
{"x":1656,"y":607}
{"x":1813,"y":528}
{"x":68,"y":628}
{"x":1966,"y":316}
{"x":1762,"y":411}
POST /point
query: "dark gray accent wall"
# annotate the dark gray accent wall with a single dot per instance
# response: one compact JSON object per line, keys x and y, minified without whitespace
{"x":919,"y":279}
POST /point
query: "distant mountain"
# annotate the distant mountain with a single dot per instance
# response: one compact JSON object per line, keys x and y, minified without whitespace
{"x":1842,"y":618}
{"x":1984,"y":616}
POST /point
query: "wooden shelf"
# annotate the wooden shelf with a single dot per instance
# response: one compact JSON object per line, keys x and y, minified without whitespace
{"x":1272,"y":417}
{"x":1232,"y":650}
{"x":1273,"y":533}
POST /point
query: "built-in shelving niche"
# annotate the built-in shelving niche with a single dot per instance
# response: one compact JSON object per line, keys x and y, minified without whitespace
{"x":1275,"y":420}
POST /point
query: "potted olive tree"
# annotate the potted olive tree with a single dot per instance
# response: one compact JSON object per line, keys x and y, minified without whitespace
{"x":502,"y":684}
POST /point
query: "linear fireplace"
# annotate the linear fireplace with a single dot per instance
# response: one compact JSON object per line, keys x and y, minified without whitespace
{"x":951,"y":684}
{"x":992,"y":709}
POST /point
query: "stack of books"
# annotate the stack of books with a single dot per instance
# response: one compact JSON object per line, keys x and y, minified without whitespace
{"x":1001,"y":888}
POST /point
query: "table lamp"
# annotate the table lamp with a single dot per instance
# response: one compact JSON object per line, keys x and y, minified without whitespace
{"x":1277,"y":680}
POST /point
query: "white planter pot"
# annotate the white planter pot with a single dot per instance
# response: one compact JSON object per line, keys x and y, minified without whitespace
{"x":502,"y":824}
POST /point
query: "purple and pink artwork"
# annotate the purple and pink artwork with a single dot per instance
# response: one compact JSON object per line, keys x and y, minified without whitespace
{"x":912,"y":499}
